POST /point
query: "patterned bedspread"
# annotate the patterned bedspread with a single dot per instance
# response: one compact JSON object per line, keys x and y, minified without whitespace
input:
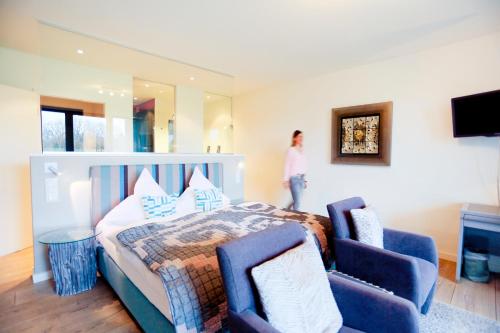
{"x":182,"y":252}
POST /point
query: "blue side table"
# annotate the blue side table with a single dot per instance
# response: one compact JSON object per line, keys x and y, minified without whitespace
{"x":72,"y":254}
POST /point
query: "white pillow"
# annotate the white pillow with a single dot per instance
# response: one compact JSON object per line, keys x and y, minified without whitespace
{"x":199,"y":181}
{"x":186,"y":201}
{"x":367,"y":226}
{"x":146,"y":185}
{"x":295,"y":292}
{"x":127,"y":211}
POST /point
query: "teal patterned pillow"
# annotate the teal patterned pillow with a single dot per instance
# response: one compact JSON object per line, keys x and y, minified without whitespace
{"x":207,"y":200}
{"x":158,"y":206}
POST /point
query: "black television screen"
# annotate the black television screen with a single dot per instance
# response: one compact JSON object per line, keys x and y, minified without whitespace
{"x":476,"y":115}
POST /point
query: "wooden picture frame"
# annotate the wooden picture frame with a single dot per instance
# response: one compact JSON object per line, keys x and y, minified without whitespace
{"x":362,"y":134}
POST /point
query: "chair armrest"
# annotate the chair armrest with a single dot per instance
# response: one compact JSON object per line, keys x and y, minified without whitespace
{"x":370,"y":310}
{"x":249,"y":322}
{"x":390,"y":270}
{"x":414,"y":245}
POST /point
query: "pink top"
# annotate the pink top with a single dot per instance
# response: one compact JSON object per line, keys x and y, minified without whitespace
{"x":295,"y":163}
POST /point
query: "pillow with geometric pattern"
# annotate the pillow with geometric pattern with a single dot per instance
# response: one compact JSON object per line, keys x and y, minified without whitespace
{"x":367,"y":227}
{"x":207,"y":200}
{"x":158,"y":206}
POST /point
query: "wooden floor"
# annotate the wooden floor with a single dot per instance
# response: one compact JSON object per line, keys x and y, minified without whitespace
{"x":480,"y":298}
{"x":28,"y":307}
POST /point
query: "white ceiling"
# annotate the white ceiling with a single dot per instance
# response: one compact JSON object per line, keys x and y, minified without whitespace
{"x":262,"y":42}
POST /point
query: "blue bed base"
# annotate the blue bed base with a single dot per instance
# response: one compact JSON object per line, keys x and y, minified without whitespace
{"x":149,"y":318}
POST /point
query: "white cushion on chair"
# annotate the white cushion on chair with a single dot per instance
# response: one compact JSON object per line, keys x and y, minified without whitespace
{"x":368,"y":227}
{"x":295,"y":292}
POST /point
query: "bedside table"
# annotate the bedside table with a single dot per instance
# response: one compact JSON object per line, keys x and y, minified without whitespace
{"x":72,"y":254}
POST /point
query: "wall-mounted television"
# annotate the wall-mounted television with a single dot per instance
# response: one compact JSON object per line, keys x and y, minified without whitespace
{"x":476,"y":115}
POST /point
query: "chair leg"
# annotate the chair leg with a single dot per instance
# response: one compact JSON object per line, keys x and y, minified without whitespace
{"x":427,"y":305}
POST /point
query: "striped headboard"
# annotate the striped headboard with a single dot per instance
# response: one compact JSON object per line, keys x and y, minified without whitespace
{"x":113,"y":183}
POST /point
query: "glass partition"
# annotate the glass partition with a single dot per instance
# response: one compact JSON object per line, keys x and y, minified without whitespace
{"x":217,"y":124}
{"x":97,"y":96}
{"x":72,"y":125}
{"x":153,"y":117}
{"x":89,"y":133}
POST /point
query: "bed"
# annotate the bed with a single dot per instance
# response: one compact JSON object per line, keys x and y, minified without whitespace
{"x":165,"y":270}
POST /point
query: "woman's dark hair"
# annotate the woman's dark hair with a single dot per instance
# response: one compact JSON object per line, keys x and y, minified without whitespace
{"x":295,"y":134}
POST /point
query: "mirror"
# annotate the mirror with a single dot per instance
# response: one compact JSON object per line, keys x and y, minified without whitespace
{"x":217,"y":124}
{"x":153,"y":117}
{"x":97,"y":96}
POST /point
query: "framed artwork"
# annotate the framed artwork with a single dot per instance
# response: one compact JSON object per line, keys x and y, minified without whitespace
{"x":362,"y":134}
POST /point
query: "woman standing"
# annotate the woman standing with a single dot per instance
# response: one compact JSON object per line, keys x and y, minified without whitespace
{"x":295,"y":169}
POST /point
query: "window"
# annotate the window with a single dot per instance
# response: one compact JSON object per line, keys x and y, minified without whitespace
{"x":69,"y":130}
{"x":53,"y":131}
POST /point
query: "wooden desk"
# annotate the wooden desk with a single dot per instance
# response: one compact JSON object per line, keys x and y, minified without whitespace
{"x":479,"y":228}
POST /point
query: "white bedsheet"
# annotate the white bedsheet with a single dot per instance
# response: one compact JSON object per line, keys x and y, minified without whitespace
{"x":146,"y":281}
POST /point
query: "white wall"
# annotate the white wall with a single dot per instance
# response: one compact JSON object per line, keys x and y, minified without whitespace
{"x":20,"y":128}
{"x":431,"y":174}
{"x":188,"y":119}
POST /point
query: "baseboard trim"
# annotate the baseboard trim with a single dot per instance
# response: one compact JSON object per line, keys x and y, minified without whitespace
{"x":448,"y":256}
{"x":42,"y":276}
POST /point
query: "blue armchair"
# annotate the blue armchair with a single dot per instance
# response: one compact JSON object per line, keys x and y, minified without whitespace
{"x":408,"y":264}
{"x":362,"y":308}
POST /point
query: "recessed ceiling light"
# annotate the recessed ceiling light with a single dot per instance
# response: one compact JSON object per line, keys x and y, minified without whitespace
{"x":100,"y":91}
{"x":135,"y":98}
{"x":79,"y":51}
{"x":161,"y":91}
{"x":111,"y":93}
{"x":146,"y":85}
{"x":122,"y":94}
{"x":208,"y":96}
{"x":191,"y":78}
